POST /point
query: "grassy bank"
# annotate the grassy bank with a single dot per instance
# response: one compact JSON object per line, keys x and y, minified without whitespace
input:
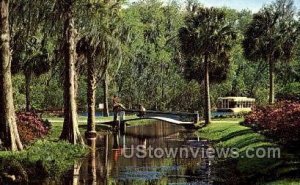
{"x":57,"y":123}
{"x":42,"y":159}
{"x":230,"y":134}
{"x":47,"y":157}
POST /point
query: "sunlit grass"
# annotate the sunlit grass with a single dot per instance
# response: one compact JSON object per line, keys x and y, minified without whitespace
{"x":219,"y":130}
{"x":230,"y":134}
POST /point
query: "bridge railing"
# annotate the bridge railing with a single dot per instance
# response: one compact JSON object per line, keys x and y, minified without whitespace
{"x":182,"y":116}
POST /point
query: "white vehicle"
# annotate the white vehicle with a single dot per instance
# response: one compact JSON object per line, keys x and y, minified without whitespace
{"x":235,"y":104}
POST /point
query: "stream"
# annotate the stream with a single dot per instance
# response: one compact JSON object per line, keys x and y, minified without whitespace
{"x":143,"y":155}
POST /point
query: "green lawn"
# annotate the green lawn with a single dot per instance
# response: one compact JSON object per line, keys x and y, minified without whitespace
{"x":57,"y":124}
{"x":230,"y":134}
{"x":83,"y":119}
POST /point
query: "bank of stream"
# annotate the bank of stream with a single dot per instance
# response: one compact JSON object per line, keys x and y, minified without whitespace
{"x":161,"y":153}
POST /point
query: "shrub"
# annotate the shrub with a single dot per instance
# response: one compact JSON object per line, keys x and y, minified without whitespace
{"x":40,"y":160}
{"x":31,"y":127}
{"x":280,"y":121}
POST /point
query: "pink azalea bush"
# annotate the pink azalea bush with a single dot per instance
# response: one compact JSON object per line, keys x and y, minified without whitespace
{"x":31,"y":127}
{"x":280,"y":121}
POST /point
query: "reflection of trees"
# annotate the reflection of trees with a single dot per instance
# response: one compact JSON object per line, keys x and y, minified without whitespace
{"x":107,"y":165}
{"x":92,"y":172}
{"x":76,"y":172}
{"x":106,"y":160}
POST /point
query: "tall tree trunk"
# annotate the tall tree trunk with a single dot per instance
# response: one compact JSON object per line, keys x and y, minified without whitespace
{"x":272,"y":76}
{"x":207,"y":108}
{"x":9,"y":136}
{"x":91,"y":98}
{"x":70,"y":128}
{"x":27,"y":87}
{"x":105,"y":98}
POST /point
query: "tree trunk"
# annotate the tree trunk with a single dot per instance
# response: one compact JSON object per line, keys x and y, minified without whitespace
{"x":27,"y":87}
{"x":91,"y":98}
{"x":272,"y":76}
{"x":9,"y":136}
{"x":70,"y":128}
{"x":207,"y":109}
{"x":105,"y":98}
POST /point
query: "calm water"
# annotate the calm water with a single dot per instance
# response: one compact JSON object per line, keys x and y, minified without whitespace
{"x":110,"y":162}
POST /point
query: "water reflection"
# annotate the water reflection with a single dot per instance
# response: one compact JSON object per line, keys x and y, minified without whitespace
{"x":107,"y":165}
{"x":76,"y":172}
{"x":92,"y":173}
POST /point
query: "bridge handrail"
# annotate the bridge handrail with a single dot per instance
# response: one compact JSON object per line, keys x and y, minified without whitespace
{"x":160,"y":112}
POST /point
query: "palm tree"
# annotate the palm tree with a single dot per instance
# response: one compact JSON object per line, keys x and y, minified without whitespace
{"x":99,"y":46}
{"x":206,"y":41}
{"x":29,"y":20}
{"x":272,"y":37}
{"x":9,"y":136}
{"x":96,"y":67}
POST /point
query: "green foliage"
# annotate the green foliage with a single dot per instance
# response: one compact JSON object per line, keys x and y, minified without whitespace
{"x":146,"y":63}
{"x":19,"y":94}
{"x":53,"y":94}
{"x":290,"y":92}
{"x":206,"y":37}
{"x":46,"y":158}
{"x":47,"y":94}
{"x":149,"y":74}
{"x":272,"y":37}
{"x":272,"y":34}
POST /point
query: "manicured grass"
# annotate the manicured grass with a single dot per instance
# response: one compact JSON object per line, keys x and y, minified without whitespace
{"x":219,"y":130}
{"x":230,"y":134}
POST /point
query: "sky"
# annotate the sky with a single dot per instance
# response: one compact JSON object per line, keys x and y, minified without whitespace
{"x":253,"y":5}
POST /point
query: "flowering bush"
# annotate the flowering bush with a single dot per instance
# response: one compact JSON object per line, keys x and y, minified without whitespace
{"x":280,"y":121}
{"x":31,"y":127}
